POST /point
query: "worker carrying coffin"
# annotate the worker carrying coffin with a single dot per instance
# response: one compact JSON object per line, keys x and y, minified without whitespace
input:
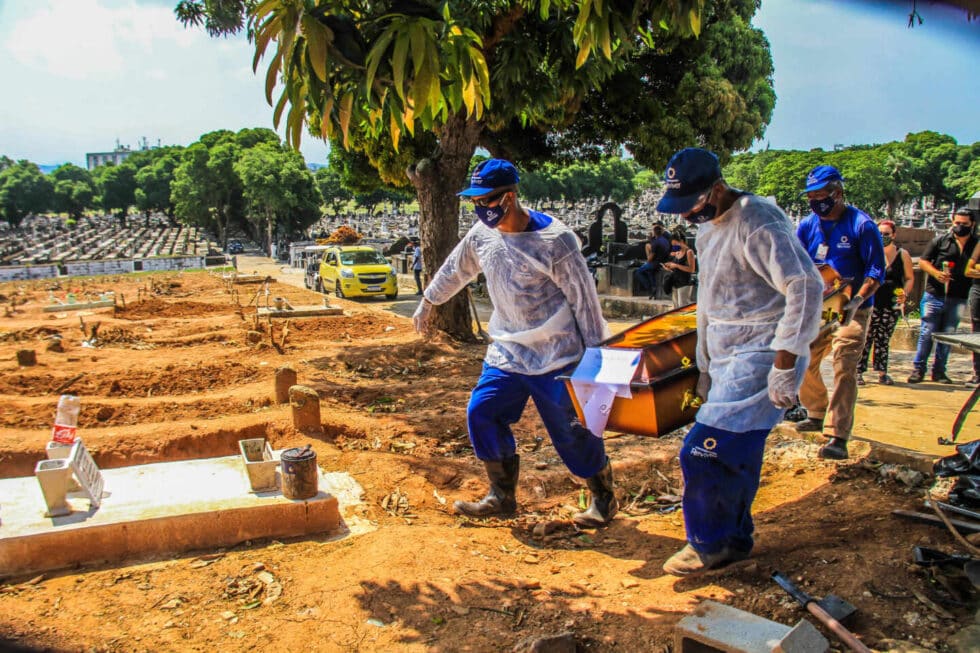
{"x":546,"y":311}
{"x":759,"y":304}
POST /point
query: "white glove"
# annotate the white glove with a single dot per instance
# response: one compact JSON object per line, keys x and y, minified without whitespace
{"x":420,"y":320}
{"x":850,"y":308}
{"x":703,"y":386}
{"x":782,"y":387}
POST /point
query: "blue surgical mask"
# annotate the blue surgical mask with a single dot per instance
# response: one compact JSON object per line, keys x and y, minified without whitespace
{"x":489,"y":215}
{"x":675,"y":248}
{"x":705,"y":214}
{"x":823,"y":207}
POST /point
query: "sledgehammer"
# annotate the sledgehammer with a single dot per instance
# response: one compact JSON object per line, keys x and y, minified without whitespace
{"x":828,"y":611}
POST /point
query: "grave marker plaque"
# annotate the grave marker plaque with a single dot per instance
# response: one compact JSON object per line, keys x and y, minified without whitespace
{"x":86,"y":472}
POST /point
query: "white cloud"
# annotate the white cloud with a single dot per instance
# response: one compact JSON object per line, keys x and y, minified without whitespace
{"x":93,"y":40}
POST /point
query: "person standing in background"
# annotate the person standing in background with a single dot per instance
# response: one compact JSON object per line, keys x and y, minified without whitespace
{"x":845,"y":238}
{"x":973,"y":272}
{"x":947,"y":287}
{"x":417,"y":267}
{"x":680,"y":267}
{"x":889,"y":302}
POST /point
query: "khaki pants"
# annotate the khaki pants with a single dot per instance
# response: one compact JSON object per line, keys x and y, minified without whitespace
{"x":846,"y":345}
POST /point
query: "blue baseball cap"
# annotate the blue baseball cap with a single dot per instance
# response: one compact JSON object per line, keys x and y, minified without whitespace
{"x":489,"y":176}
{"x":689,"y":174}
{"x":820,"y":177}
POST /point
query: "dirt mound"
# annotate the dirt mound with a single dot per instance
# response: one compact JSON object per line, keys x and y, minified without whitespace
{"x":166,"y":308}
{"x":33,"y":333}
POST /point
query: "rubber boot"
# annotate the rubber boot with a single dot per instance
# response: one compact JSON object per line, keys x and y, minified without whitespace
{"x":836,"y":449}
{"x":501,"y":499}
{"x":604,"y":504}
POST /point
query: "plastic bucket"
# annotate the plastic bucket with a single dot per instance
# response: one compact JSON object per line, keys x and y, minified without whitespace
{"x":299,"y":473}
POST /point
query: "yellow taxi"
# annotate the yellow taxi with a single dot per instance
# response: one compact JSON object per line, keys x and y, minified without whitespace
{"x":357,"y":271}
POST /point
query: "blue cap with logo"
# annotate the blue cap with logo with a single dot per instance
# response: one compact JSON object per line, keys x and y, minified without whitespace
{"x":820,"y":177}
{"x":689,"y":174}
{"x":489,"y":176}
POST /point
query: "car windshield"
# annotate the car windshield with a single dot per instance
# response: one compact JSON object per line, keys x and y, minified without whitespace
{"x":362,"y":257}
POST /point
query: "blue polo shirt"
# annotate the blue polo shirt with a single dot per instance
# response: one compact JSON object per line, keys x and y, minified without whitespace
{"x":854,"y":246}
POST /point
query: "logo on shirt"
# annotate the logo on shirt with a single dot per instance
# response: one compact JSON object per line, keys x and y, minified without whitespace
{"x":844,"y":243}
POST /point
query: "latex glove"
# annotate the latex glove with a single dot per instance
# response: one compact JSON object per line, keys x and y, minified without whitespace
{"x":850,"y":308}
{"x":704,"y":385}
{"x":420,"y":320}
{"x":782,"y":387}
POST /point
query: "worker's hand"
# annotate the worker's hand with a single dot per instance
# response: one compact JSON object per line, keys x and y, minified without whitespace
{"x":704,"y":386}
{"x":420,"y":320}
{"x":850,"y":308}
{"x":782,"y":387}
{"x":942,"y":277}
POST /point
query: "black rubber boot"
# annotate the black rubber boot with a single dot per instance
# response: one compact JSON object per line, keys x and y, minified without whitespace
{"x":836,"y":449}
{"x":604,"y":504}
{"x":502,"y":497}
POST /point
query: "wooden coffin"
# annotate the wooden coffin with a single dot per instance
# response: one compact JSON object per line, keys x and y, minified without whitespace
{"x":663,"y":384}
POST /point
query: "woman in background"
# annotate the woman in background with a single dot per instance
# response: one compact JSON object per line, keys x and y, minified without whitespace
{"x":678,"y":281}
{"x":889,"y":300}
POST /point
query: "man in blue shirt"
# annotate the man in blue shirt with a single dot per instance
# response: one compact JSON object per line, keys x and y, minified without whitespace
{"x":845,"y":238}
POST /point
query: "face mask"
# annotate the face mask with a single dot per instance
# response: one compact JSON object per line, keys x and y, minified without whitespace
{"x":675,"y":248}
{"x":886,"y":240}
{"x":705,"y":214}
{"x":489,"y":215}
{"x":962,"y":229}
{"x":823,"y":207}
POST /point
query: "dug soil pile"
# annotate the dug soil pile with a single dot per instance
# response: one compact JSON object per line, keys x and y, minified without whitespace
{"x":175,"y":374}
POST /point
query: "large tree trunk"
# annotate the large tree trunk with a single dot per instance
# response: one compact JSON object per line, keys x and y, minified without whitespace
{"x":437,"y":180}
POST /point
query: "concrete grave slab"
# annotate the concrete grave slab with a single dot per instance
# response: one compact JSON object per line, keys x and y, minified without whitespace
{"x":58,"y":308}
{"x":718,"y":628}
{"x":158,"y":509}
{"x":300,"y":311}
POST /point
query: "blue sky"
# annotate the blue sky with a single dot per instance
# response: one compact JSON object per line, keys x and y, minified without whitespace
{"x":78,"y":74}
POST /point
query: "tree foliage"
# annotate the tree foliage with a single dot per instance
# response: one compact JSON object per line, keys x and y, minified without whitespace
{"x":879,"y":178}
{"x":278,"y":189}
{"x":74,"y":190}
{"x":334,"y":194}
{"x":23,"y":190}
{"x":417,"y":85}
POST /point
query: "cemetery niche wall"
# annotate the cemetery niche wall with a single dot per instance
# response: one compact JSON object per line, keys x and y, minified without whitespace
{"x":45,"y":247}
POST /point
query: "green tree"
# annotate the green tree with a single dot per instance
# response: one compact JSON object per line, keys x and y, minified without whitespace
{"x":154,"y":181}
{"x":24,"y":189}
{"x":331,"y":189}
{"x":117,"y":187}
{"x":206,"y":189}
{"x":279,"y":190}
{"x":418,"y":85}
{"x":932,"y":153}
{"x":963,"y":174}
{"x":74,"y":190}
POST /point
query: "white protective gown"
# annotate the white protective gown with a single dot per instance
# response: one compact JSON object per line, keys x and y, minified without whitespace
{"x":758,"y":292}
{"x":545,"y":306}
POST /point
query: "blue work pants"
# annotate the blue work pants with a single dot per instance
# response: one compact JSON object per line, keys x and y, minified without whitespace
{"x":721,"y":476}
{"x":497,"y":402}
{"x":938,"y":316}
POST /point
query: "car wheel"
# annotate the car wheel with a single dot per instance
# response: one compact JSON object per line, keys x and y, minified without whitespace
{"x":338,"y":290}
{"x":393,"y":295}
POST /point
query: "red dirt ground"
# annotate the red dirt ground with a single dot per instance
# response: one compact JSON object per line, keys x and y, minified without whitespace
{"x":172,"y":378}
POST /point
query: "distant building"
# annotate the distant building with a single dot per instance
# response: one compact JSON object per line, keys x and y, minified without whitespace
{"x":117,"y":156}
